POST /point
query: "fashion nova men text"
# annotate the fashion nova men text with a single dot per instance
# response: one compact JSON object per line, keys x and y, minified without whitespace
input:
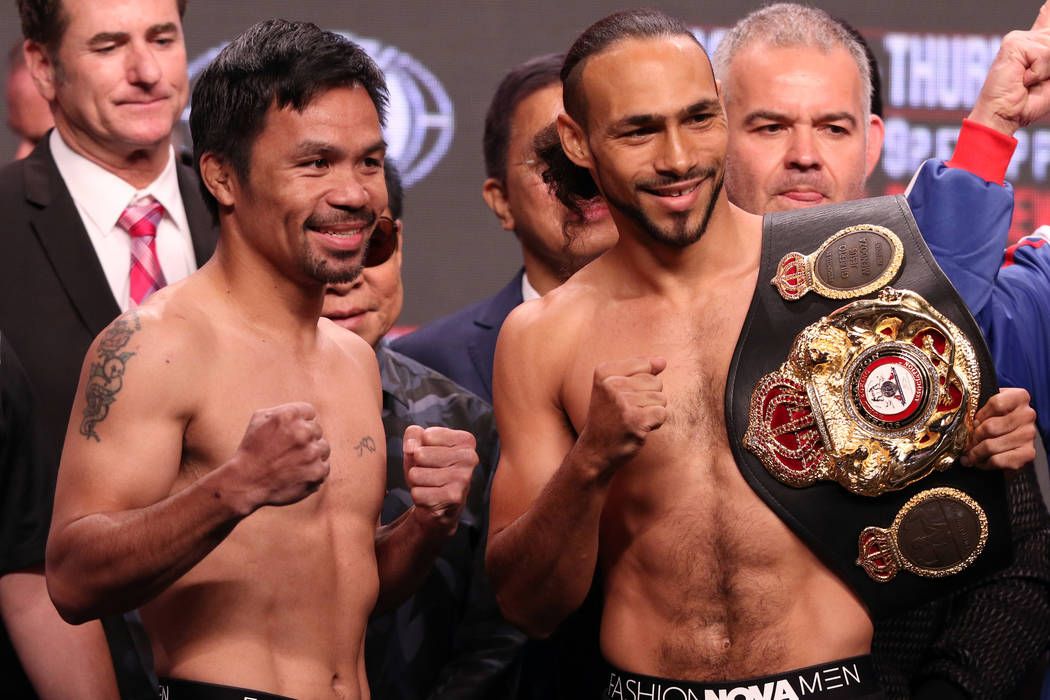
{"x":787,"y":687}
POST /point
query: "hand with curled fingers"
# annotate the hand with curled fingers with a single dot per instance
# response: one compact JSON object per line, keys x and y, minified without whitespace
{"x":1005,"y":432}
{"x":282,"y":458}
{"x":439,"y":463}
{"x":627,"y":403}
{"x":1017,"y":90}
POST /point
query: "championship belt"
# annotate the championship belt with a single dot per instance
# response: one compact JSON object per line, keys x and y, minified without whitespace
{"x":851,"y":396}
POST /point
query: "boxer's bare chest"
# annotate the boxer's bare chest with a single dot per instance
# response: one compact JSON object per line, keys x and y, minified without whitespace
{"x":680,"y":522}
{"x":245,"y":377}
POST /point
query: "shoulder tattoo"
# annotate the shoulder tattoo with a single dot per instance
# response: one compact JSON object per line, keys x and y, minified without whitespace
{"x":106,"y":377}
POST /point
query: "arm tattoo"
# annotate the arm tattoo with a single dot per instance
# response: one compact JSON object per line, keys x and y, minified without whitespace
{"x":367,"y":443}
{"x":107,"y":374}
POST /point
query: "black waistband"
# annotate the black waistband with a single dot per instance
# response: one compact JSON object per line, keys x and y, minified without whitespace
{"x":852,"y":678}
{"x":178,"y":689}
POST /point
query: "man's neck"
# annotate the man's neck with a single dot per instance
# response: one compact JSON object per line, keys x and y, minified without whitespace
{"x":539,"y":275}
{"x":730,"y":245}
{"x":137,"y":167}
{"x":266,"y":299}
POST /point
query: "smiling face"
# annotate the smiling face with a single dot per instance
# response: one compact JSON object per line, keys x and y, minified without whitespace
{"x":655,"y":136}
{"x":798,"y":136}
{"x":314,"y":187}
{"x":118,"y":78}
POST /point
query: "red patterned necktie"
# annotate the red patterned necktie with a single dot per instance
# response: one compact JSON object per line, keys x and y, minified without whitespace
{"x":140,"y":220}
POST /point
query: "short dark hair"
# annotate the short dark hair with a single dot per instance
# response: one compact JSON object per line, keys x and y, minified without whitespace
{"x":629,"y":24}
{"x":44,"y":21}
{"x":395,"y":191}
{"x":274,"y":63}
{"x":521,"y":82}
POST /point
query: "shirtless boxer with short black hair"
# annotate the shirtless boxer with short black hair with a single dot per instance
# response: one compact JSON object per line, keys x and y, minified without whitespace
{"x":609,"y":399}
{"x":162,"y":496}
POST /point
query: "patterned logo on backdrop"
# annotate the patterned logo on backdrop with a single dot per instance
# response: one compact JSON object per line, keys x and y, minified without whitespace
{"x":420,"y":121}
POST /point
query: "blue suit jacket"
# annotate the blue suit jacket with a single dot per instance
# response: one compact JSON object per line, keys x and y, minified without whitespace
{"x":462,"y":345}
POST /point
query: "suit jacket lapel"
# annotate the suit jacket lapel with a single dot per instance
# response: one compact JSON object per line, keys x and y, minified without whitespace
{"x":57,"y":225}
{"x":482,"y":349}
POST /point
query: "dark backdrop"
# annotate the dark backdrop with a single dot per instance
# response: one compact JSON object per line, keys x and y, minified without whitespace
{"x":445,"y":58}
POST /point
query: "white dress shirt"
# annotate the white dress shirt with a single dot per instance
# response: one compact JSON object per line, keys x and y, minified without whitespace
{"x":101,"y":197}
{"x":528,"y":292}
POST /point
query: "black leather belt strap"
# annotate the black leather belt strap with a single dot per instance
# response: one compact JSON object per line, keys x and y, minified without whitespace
{"x":826,"y":516}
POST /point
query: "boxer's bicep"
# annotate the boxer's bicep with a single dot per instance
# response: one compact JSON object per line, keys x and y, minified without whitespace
{"x":534,"y":434}
{"x":124,"y":441}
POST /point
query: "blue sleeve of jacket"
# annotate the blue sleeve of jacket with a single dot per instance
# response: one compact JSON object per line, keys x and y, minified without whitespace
{"x":965,"y":222}
{"x":1016,"y":322}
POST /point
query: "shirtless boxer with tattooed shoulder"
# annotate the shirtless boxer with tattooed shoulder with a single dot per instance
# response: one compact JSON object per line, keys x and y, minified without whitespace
{"x":253,"y":554}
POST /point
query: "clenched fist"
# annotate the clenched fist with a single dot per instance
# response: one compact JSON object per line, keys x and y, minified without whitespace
{"x":282,"y":459}
{"x":627,"y":403}
{"x":1017,"y":89}
{"x":438,"y":465}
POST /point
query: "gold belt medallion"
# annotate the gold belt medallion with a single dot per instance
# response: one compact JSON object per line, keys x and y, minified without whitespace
{"x":938,"y":532}
{"x":874,"y":396}
{"x":854,"y":262}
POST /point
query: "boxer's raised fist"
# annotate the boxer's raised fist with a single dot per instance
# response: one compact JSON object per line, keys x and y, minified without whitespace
{"x":438,"y":466}
{"x":282,"y":458}
{"x":627,"y":403}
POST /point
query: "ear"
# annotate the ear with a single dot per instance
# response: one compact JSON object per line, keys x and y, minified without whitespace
{"x":41,"y":68}
{"x":495,"y":195}
{"x":876,"y":134}
{"x":574,"y":141}
{"x":219,"y":178}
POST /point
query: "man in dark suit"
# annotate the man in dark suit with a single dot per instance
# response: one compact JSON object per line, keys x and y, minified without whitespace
{"x":100,"y":214}
{"x":555,"y":242}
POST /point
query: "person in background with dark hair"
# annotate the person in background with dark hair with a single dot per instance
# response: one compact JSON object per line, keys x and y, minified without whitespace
{"x":615,"y":462}
{"x":555,"y":241}
{"x":449,"y":639}
{"x":254,"y":554}
{"x":793,"y":84}
{"x":73,"y":252}
{"x":28,"y":114}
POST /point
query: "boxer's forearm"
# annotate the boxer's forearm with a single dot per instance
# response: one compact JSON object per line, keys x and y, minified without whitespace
{"x":107,"y":563}
{"x":405,"y":554}
{"x":542,"y":564}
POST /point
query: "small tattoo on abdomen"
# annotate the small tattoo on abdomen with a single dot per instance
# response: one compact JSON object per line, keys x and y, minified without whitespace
{"x":367,"y":443}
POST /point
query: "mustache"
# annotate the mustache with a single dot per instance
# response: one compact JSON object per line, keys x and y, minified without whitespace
{"x":695,"y":173}
{"x":363,"y":216}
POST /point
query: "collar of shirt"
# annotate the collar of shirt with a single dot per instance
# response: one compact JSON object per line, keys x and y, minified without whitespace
{"x":528,"y":292}
{"x":102,"y":196}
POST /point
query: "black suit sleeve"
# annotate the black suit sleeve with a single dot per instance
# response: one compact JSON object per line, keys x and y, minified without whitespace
{"x":27,"y":477}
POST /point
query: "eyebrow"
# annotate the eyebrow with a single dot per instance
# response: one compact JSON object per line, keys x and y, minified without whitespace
{"x":769,"y":115}
{"x":314,"y":146}
{"x":154,"y":30}
{"x":107,"y":37}
{"x":165,"y":28}
{"x":704,"y":105}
